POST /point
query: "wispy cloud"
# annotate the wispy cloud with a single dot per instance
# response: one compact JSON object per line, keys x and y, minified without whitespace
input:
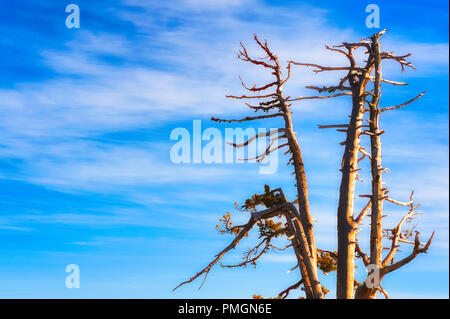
{"x":176,"y":65}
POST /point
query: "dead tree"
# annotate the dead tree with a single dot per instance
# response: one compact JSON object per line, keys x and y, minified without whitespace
{"x":298,"y":227}
{"x":380,"y":193}
{"x":363,"y":84}
{"x":357,"y":81}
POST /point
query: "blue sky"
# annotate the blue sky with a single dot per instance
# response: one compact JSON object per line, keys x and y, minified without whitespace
{"x":85,"y":120}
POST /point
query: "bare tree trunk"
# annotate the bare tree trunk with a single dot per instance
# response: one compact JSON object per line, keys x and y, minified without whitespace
{"x":357,"y":79}
{"x":377,"y":199}
{"x":378,"y":192}
{"x":346,"y":229}
{"x":300,"y":177}
{"x":376,"y":235}
{"x":304,"y":225}
{"x":299,"y":222}
{"x":308,"y":269}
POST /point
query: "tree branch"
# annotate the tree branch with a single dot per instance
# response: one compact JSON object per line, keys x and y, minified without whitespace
{"x":262,"y":134}
{"x":363,"y":213}
{"x":318,"y":97}
{"x":324,"y":68}
{"x":329,"y":89}
{"x":257,"y":89}
{"x":402,"y":105}
{"x":264,"y":214}
{"x":248,"y":118}
{"x":416,"y":250}
{"x":251,"y":97}
{"x":285,"y":293}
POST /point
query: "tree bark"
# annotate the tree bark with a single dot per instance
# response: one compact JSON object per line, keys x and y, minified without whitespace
{"x":376,"y":235}
{"x":303,"y":224}
{"x":377,"y":199}
{"x":306,"y":264}
{"x":346,"y":227}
